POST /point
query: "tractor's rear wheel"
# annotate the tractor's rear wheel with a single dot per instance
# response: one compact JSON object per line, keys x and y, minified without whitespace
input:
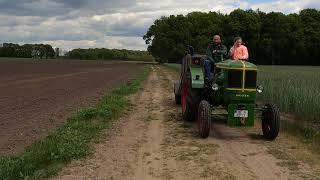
{"x":190,"y":99}
{"x":204,"y":119}
{"x":270,"y":121}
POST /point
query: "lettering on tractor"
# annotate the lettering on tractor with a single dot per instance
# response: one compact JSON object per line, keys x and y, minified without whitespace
{"x":233,"y":90}
{"x":243,"y":95}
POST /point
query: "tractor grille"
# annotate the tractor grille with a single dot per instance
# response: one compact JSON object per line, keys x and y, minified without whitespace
{"x":234,"y":78}
{"x":251,"y":79}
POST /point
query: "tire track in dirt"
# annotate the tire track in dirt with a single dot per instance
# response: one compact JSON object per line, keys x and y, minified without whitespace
{"x":153,"y":142}
{"x":129,"y":145}
{"x":150,"y":158}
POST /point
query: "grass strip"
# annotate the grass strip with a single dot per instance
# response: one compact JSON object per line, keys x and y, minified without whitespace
{"x":46,"y":157}
{"x":305,"y":134}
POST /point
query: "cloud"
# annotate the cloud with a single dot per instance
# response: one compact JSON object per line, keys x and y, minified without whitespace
{"x":60,"y":7}
{"x":112,"y":42}
{"x":287,"y":6}
{"x":109,"y":23}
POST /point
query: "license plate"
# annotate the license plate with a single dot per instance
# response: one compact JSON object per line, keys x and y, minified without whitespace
{"x":241,"y":113}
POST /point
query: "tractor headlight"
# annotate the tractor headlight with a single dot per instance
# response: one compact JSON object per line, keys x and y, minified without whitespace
{"x":259,"y":89}
{"x":215,"y":87}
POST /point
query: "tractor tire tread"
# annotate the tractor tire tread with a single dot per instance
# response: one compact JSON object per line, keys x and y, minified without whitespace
{"x":273,"y":114}
{"x":177,"y":99}
{"x":204,"y":130}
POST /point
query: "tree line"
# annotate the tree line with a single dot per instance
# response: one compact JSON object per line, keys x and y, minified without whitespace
{"x":109,"y":54}
{"x":271,"y":38}
{"x":27,"y":50}
{"x":46,"y":51}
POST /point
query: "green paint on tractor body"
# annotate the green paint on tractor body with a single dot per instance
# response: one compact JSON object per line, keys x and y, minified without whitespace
{"x":237,"y":89}
{"x":235,"y":64}
{"x":238,"y":100}
{"x":197,"y":77}
{"x":236,"y":121}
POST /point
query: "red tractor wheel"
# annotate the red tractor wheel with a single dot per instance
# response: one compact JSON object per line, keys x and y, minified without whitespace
{"x":204,"y":119}
{"x":270,"y":121}
{"x":190,"y":99}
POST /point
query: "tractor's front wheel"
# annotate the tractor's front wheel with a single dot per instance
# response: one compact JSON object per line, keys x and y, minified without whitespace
{"x":204,"y":119}
{"x":270,"y":121}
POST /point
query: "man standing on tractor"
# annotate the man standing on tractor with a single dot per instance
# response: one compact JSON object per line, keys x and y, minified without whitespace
{"x":216,"y":52}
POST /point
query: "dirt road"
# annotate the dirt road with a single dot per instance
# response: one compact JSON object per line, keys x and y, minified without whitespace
{"x":152,"y":142}
{"x":37,"y":97}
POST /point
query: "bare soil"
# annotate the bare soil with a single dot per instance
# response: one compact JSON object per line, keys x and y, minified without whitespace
{"x":36,"y":97}
{"x":150,"y":141}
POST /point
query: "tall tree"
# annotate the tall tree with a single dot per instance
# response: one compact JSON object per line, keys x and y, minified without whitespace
{"x":272,"y":38}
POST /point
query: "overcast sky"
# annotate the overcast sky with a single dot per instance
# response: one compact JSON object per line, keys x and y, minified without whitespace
{"x":121,"y":24}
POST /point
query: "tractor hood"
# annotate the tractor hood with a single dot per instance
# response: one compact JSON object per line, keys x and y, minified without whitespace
{"x":236,"y":64}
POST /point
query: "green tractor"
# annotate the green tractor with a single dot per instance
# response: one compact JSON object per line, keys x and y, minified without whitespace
{"x":232,"y":92}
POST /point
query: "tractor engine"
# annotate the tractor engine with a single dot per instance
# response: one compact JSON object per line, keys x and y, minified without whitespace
{"x":237,"y":88}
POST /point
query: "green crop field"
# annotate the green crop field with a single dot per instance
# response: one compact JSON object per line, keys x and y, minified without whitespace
{"x":295,"y":89}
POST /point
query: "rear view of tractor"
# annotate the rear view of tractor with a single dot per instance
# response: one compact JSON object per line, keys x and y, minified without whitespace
{"x":231,"y":92}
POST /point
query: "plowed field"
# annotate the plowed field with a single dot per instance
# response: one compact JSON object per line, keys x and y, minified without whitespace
{"x":38,"y":97}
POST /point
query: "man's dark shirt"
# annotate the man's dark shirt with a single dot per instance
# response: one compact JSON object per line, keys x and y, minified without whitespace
{"x":216,"y":52}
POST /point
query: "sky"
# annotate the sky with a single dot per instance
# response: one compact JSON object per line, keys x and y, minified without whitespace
{"x":120,"y":24}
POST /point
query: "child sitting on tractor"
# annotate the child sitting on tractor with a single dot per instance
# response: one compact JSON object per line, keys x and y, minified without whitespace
{"x":238,"y":51}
